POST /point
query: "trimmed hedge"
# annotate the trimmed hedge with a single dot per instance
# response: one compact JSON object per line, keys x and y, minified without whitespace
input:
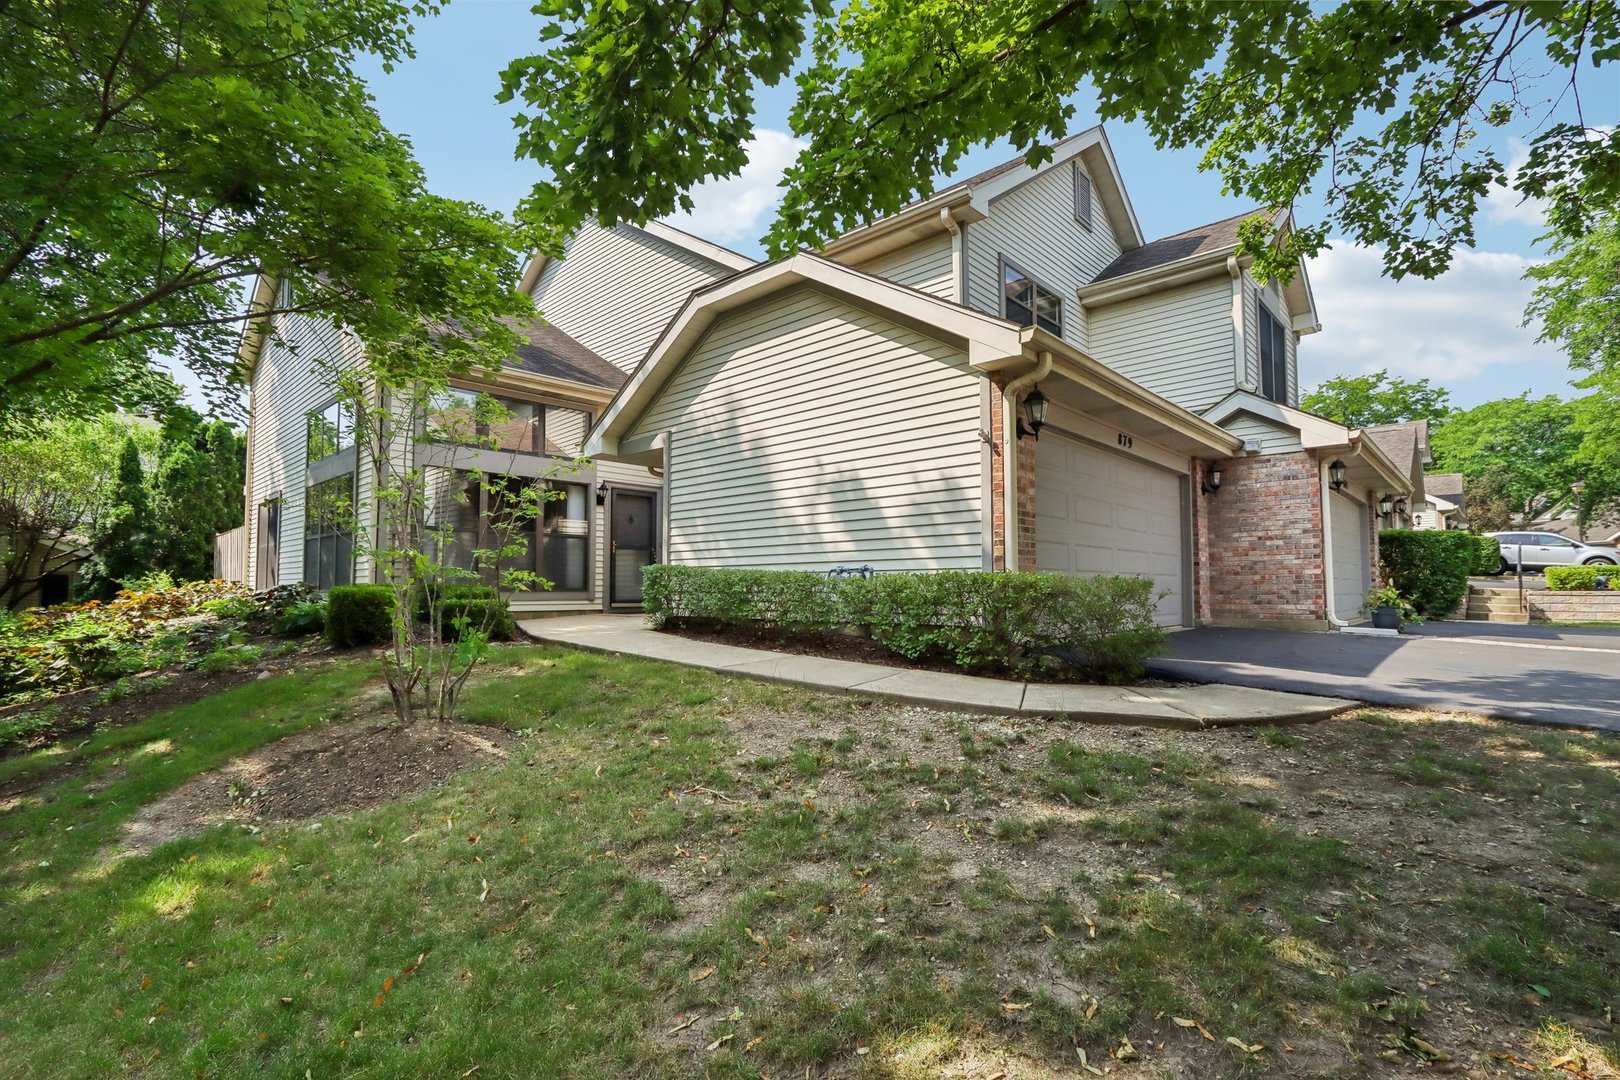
{"x":1488,"y":554}
{"x":359,"y":615}
{"x":482,"y":612}
{"x":975,"y":620}
{"x":1429,"y":567}
{"x":1576,"y":578}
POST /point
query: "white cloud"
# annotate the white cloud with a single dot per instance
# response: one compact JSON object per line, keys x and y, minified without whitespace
{"x":1503,"y":205}
{"x":1460,"y":330}
{"x":734,"y":210}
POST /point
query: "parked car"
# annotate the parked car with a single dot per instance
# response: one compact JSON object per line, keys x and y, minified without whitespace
{"x":1540,"y":549}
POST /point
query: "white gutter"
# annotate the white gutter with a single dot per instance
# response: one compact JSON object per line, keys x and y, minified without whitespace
{"x":1009,"y":442}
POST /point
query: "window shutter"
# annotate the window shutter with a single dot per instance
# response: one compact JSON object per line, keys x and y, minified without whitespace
{"x":1082,"y":196}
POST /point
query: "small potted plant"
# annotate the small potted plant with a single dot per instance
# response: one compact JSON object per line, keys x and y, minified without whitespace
{"x":1389,"y":608}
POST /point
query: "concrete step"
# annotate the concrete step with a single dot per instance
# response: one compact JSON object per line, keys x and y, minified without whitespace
{"x":1498,"y":617}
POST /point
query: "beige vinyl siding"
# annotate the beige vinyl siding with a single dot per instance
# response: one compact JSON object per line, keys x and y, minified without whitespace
{"x":1033,"y":226}
{"x":615,"y":289}
{"x":1177,"y":343}
{"x":1253,"y":296}
{"x":293,"y":376}
{"x":1272,"y":439}
{"x":925,"y":266}
{"x":808,"y":433}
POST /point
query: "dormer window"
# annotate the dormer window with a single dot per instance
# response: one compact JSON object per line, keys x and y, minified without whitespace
{"x":1028,"y":303}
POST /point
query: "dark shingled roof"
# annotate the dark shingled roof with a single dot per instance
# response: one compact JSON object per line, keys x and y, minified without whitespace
{"x":1216,"y":236}
{"x":554,"y":354}
{"x":1447,"y":485}
{"x":1406,"y":443}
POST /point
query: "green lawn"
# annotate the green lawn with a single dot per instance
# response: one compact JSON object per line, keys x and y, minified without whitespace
{"x":685,"y":875}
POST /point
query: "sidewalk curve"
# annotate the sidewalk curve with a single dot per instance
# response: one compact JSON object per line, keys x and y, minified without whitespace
{"x":1182,"y":707}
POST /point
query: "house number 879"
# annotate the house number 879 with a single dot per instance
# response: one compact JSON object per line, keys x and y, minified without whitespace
{"x":1124,"y":440}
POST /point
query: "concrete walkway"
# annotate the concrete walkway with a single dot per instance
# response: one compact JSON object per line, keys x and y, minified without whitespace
{"x":1183,"y":707}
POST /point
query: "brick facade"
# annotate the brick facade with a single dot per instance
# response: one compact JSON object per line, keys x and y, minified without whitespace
{"x":1262,"y":535}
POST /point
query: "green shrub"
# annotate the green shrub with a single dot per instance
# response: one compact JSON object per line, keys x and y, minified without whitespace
{"x":795,"y":602}
{"x":1575,"y":578}
{"x":1487,"y":554}
{"x":975,"y":620}
{"x":487,"y":613}
{"x":359,"y":615}
{"x":1429,"y":567}
{"x":301,"y":618}
{"x":57,"y":649}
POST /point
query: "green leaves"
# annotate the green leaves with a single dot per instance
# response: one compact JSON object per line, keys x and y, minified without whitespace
{"x":161,"y":155}
{"x":1376,"y":105}
{"x":1363,"y":400}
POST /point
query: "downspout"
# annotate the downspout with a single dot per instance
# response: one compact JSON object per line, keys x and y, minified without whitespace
{"x":1240,"y":350}
{"x":955,"y":230}
{"x":1009,"y":442}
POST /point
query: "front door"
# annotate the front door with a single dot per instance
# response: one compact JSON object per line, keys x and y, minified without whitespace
{"x":632,"y":543}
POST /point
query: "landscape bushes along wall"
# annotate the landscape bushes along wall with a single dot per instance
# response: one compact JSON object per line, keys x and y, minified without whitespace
{"x":1004,"y":622}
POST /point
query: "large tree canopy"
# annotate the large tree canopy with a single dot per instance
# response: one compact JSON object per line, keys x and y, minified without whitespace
{"x":159,"y":154}
{"x":1380,"y":398}
{"x":1577,"y":300}
{"x":635,"y":102}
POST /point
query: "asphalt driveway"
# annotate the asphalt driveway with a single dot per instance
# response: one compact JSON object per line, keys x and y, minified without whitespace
{"x":1545,"y":675}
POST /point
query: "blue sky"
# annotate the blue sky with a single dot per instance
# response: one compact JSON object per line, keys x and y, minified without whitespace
{"x":1461,"y":330}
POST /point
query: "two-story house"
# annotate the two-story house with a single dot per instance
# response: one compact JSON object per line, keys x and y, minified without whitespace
{"x":1004,"y":375}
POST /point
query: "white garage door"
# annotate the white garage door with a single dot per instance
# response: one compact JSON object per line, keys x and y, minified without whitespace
{"x":1098,"y":512}
{"x":1352,"y":555}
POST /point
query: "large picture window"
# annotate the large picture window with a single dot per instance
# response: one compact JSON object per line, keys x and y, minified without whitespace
{"x":494,"y":422}
{"x":1273,"y":357}
{"x":484,"y":514}
{"x":329,"y":532}
{"x":327,"y":431}
{"x":1029,"y":304}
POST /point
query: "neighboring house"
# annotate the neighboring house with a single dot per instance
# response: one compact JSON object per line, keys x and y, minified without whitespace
{"x":610,"y":293}
{"x":1603,"y":530}
{"x":45,"y":576}
{"x":1407,"y":445}
{"x":875,"y":404}
{"x":1446,"y":506}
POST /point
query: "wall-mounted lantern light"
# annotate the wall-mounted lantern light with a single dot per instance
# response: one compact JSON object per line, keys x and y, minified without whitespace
{"x":1035,"y":405}
{"x":1336,"y":478}
{"x":601,"y":493}
{"x":1384,"y":505}
{"x":1212,"y":480}
{"x":1400,"y":506}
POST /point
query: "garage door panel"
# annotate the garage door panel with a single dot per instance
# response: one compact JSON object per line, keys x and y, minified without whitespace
{"x":1352,"y":555}
{"x":1098,"y":513}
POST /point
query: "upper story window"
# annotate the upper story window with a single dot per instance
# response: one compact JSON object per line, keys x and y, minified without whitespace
{"x":1273,"y":357}
{"x":1082,"y":196}
{"x":495,"y":422}
{"x":328,"y":431}
{"x":1029,"y":304}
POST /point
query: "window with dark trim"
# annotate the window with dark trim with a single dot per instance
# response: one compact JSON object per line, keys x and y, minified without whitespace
{"x":1082,"y":196}
{"x":472,"y":511}
{"x":495,"y":422}
{"x":329,"y":532}
{"x":1027,"y":303}
{"x":1273,"y":357}
{"x":327,"y":431}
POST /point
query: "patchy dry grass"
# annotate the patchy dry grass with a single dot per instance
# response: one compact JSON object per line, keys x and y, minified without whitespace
{"x":683,"y":875}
